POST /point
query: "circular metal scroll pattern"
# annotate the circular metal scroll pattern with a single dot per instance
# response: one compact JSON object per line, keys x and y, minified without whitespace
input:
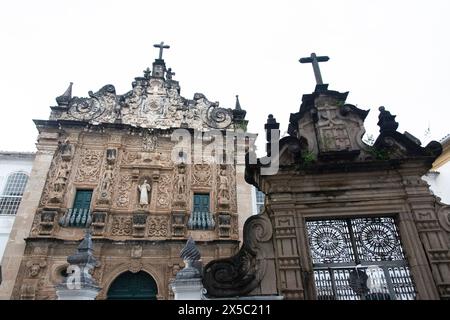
{"x":327,"y":241}
{"x":378,"y":239}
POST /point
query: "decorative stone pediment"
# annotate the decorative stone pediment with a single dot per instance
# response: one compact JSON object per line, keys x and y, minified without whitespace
{"x":331,"y":128}
{"x":153,"y":102}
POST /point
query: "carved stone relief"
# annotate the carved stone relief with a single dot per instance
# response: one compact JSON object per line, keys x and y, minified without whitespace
{"x":144,"y":189}
{"x":123,"y":191}
{"x":152,"y":103}
{"x":89,"y":166}
{"x":201,"y":175}
{"x":158,"y":226}
{"x":121,"y":226}
{"x":34,"y":268}
{"x":223,"y":187}
{"x":164,"y":190}
{"x":149,"y":142}
{"x":180,"y":193}
{"x":106,"y":185}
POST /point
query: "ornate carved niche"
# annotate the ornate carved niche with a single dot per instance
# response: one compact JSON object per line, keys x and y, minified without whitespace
{"x":180,"y":193}
{"x":66,"y":150}
{"x":111,"y":156}
{"x":47,"y":221}
{"x":59,"y":184}
{"x":98,"y":223}
{"x":223,"y":188}
{"x":144,"y":190}
{"x":179,"y":224}
{"x":106,"y":185}
{"x":139,"y":224}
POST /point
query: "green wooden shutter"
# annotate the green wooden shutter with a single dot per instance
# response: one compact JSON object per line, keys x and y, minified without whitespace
{"x":82,"y":199}
{"x":201,"y":202}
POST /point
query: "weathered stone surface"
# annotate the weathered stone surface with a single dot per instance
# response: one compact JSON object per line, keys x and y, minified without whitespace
{"x":327,"y":172}
{"x":111,"y":144}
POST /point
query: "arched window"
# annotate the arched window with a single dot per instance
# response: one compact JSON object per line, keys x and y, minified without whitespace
{"x":133,"y":286}
{"x":12,"y":192}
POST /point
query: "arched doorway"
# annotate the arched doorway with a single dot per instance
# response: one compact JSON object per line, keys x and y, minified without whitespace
{"x":133,"y":286}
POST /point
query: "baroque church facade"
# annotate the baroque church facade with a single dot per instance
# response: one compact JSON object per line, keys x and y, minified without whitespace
{"x":109,"y":163}
{"x":343,"y":220}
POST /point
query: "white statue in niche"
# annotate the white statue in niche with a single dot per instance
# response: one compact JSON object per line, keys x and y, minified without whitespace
{"x":144,"y":189}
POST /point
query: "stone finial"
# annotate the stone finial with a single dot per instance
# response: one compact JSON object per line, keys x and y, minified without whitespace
{"x":386,"y":121}
{"x":238,"y":105}
{"x":238,"y":112}
{"x":84,"y":259}
{"x":65,"y":98}
{"x":191,"y":256}
{"x":190,"y":251}
{"x":84,"y":254}
{"x":79,"y":284}
{"x":270,"y":125}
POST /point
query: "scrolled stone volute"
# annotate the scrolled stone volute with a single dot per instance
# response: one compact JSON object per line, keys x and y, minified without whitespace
{"x":243,"y":272}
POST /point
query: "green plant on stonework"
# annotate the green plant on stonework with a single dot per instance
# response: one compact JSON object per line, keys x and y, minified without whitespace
{"x":306,"y":159}
{"x":241,"y":125}
{"x":379,"y":154}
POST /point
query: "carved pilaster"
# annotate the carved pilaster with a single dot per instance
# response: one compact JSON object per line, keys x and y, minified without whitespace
{"x":433,"y":237}
{"x":287,"y":255}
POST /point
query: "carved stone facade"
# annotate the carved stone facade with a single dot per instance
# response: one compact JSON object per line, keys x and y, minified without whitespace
{"x":339,"y":210}
{"x":117,"y":149}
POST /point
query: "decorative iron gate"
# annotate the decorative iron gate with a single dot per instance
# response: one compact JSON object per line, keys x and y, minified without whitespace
{"x":359,"y":259}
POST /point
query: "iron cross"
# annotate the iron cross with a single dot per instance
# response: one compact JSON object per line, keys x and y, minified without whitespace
{"x":161,"y":47}
{"x":315,"y":63}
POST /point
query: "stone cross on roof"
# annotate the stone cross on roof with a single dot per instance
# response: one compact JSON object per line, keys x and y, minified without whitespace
{"x":161,"y":47}
{"x":315,"y":63}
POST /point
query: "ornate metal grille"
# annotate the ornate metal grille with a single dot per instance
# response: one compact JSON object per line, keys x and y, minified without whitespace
{"x":359,"y":259}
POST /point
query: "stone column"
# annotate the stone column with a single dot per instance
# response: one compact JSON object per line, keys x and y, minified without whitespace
{"x":188,"y":282}
{"x":80,"y":285}
{"x":15,"y":248}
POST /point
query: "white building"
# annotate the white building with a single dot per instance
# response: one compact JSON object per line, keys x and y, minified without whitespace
{"x":257,"y":200}
{"x":439,"y":176}
{"x":15,"y":168}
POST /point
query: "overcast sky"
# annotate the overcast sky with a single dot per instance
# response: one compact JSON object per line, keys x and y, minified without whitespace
{"x":390,"y":53}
